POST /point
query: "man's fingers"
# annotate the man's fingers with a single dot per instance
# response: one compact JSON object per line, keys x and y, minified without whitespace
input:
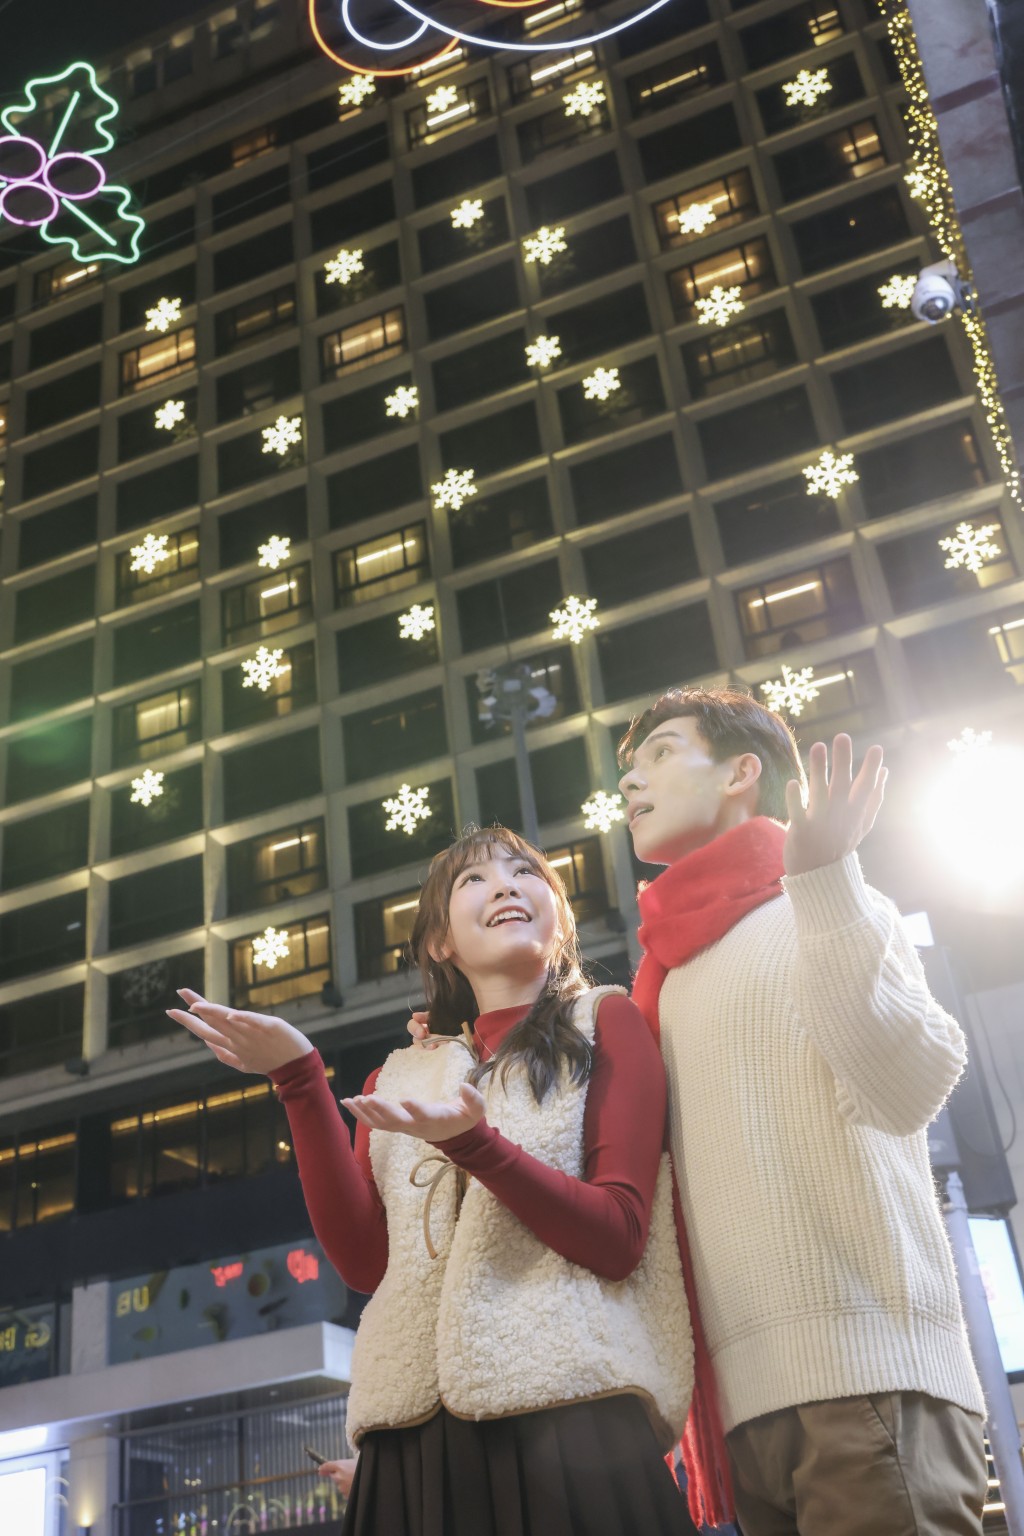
{"x":841,"y":776}
{"x":795,"y":801}
{"x":817,"y":777}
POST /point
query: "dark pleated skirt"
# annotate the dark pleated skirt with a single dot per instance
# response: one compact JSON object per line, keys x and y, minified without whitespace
{"x":588,"y":1469}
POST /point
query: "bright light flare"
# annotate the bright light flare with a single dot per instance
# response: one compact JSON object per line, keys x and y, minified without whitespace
{"x":972,"y":815}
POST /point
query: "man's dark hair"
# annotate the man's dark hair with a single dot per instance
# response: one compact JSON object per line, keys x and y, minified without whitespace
{"x":730,"y":722}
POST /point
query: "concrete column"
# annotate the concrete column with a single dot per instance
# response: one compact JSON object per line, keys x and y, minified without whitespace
{"x":93,"y":1459}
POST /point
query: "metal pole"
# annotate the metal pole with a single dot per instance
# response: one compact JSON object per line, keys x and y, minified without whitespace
{"x":527,"y":802}
{"x":1003,"y":1434}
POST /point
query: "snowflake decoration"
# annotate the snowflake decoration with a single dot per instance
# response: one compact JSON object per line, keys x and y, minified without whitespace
{"x":275,"y":551}
{"x":805,"y":90}
{"x":970,"y":742}
{"x":168,"y":415}
{"x":406,"y":808}
{"x":269,"y":947}
{"x":719,"y":304}
{"x":469,"y":212}
{"x":602,"y":812}
{"x":442,"y":100}
{"x":585,"y":99}
{"x":261,"y":670}
{"x":791,"y":692}
{"x":970,"y":547}
{"x":164,"y":314}
{"x":545,"y":244}
{"x":542,"y":352}
{"x":601,"y":383}
{"x":695,"y":219}
{"x":897,"y":292}
{"x":416,"y":623}
{"x":405,"y":399}
{"x":284,"y":434}
{"x":574,"y":618}
{"x":148,"y":788}
{"x":149,"y":554}
{"x":343,"y":267}
{"x":828,"y":476}
{"x":352,"y":93}
{"x":455,"y":489}
{"x":920,"y":184}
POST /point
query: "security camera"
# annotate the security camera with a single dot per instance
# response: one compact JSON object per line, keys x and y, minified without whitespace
{"x":938,"y":291}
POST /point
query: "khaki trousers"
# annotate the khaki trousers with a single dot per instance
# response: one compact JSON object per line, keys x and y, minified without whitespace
{"x":892,"y":1464}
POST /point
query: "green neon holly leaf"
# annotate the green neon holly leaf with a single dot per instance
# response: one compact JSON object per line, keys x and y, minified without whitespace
{"x":122,"y":245}
{"x":84,"y":92}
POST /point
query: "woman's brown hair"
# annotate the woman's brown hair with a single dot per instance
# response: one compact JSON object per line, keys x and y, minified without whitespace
{"x":546,"y":1041}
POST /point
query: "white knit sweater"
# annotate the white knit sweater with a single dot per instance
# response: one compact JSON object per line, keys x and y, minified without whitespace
{"x":805,"y":1056}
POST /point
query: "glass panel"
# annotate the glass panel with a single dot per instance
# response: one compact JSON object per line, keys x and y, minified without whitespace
{"x":382,"y":565}
{"x":370,"y":341}
{"x":160,"y":359}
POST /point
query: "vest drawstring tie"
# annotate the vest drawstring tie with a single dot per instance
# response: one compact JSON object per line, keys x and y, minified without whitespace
{"x":430,"y":1183}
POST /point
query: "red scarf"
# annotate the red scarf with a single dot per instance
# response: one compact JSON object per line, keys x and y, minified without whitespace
{"x":692,"y":904}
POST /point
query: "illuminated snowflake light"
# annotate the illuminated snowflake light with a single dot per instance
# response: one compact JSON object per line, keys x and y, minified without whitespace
{"x":545,"y":244}
{"x":808,"y":87}
{"x":442,"y":100}
{"x":164,"y":314}
{"x":574,"y":619}
{"x":970,"y":742}
{"x":897,"y":292}
{"x":542,"y":352}
{"x":585,"y":98}
{"x":405,"y":399}
{"x":275,"y":551}
{"x":970,"y":547}
{"x":406,"y":808}
{"x":262,"y":669}
{"x":695,"y":219}
{"x":920,"y":184}
{"x":416,"y":623}
{"x":343,"y":267}
{"x":149,"y":554}
{"x":147,"y":789}
{"x":828,"y":476}
{"x":719,"y":304}
{"x":168,"y":415}
{"x":601,"y":383}
{"x":284,"y":434}
{"x":455,"y":489}
{"x":352,"y":93}
{"x":269,"y":947}
{"x":469,"y":212}
{"x":791,"y":692}
{"x":602,"y":812}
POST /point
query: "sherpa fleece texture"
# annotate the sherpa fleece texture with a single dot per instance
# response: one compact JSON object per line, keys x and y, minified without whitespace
{"x":499,"y":1323}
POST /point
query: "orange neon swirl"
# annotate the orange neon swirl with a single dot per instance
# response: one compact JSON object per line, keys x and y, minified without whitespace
{"x":361,"y":69}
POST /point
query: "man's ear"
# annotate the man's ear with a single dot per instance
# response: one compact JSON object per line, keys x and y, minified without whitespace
{"x":746,"y":770}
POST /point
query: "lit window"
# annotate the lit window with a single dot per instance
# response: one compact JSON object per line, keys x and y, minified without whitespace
{"x":551,"y":16}
{"x":300,"y":973}
{"x":731,"y":199}
{"x":798,"y":608}
{"x":178,"y":565}
{"x":380,"y":566}
{"x":157,"y":360}
{"x":360,"y":346}
{"x":383,"y":930}
{"x":1008,"y":641}
{"x":252,"y":145}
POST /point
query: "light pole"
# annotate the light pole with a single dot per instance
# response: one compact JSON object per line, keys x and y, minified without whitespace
{"x":509,"y":694}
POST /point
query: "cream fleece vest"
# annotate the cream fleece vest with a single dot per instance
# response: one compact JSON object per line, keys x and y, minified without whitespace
{"x":499,"y":1323}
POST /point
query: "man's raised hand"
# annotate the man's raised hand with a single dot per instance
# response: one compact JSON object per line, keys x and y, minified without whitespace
{"x":840,"y":809}
{"x":249,"y":1042}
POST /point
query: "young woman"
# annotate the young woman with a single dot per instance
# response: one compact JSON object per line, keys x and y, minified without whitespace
{"x":525,"y":1360}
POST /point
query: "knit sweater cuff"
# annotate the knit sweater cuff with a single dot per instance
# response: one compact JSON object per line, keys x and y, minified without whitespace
{"x":832,"y":897}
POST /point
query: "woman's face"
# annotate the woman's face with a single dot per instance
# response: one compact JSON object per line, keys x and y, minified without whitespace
{"x":502,"y":918}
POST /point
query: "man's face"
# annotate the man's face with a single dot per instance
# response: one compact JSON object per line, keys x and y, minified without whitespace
{"x":676,"y":792}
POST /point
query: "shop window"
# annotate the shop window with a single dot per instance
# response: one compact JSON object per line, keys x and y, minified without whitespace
{"x":240,"y":533}
{"x":156,"y":902}
{"x":896,"y":384}
{"x":798,"y":608}
{"x":158,"y":493}
{"x":277,"y":866}
{"x":157,"y":725}
{"x":552,"y":130}
{"x":58,"y":532}
{"x":61,"y":339}
{"x":509,"y":607}
{"x":51,"y":680}
{"x":731,"y":198}
{"x":748,"y":266}
{"x":853,"y":312}
{"x":369,"y":341}
{"x":275,"y":601}
{"x":643,"y":561}
{"x":793,"y":31}
{"x":375,"y":652}
{"x":592,"y":254}
{"x":138,"y":997}
{"x":348,"y":156}
{"x":43,"y":936}
{"x":981,"y":658}
{"x":158,"y":643}
{"x":689,"y":143}
{"x":942,"y":461}
{"x":176,"y":812}
{"x":915,"y":567}
{"x":42,"y":847}
{"x":36,"y":1032}
{"x":382,"y":565}
{"x":558,"y":197}
{"x":425,"y":124}
{"x":473,"y":300}
{"x":41,"y":761}
{"x":254,"y":320}
{"x":639,"y":660}
{"x":373,"y":849}
{"x":846,"y":84}
{"x":486,"y":369}
{"x":47,"y":470}
{"x":337,"y":222}
{"x":552,"y":681}
{"x":851,"y":230}
{"x":501,"y":522}
{"x":156,"y":361}
{"x":738,"y":354}
{"x":253,"y":258}
{"x":376,"y":485}
{"x":383,"y":930}
{"x":395,"y":735}
{"x":37,"y":1173}
{"x":494,"y":443}
{"x":441,"y":244}
{"x":57,"y":604}
{"x":767,"y":429}
{"x":303,"y":972}
{"x":673,"y":80}
{"x":844,"y":155}
{"x":72,"y":394}
{"x":640,"y":396}
{"x":277,"y":771}
{"x":449,"y":175}
{"x":178,"y":568}
{"x":772,"y":517}
{"x":293,"y":689}
{"x":637,"y":475}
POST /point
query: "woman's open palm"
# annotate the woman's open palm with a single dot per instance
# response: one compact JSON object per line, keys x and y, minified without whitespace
{"x":249,"y":1042}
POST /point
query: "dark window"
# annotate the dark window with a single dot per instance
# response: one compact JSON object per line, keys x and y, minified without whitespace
{"x":637,"y":475}
{"x":383,"y":930}
{"x":156,"y":902}
{"x":258,"y":386}
{"x":74,"y":458}
{"x":293,"y":688}
{"x":553,"y":685}
{"x":772,"y":517}
{"x":754,"y":434}
{"x":377,"y":485}
{"x":394,"y":735}
{"x":855,"y":311}
{"x":373,"y":849}
{"x":843,"y":155}
{"x":41,"y":937}
{"x":595,"y":181}
{"x":41,"y":1031}
{"x":554,"y":130}
{"x":49,"y":681}
{"x":143,"y":431}
{"x":375,"y":652}
{"x":666,"y":649}
{"x":59,"y":532}
{"x":897,"y":384}
{"x":40,"y":847}
{"x":592,"y":253}
{"x":689,"y":143}
{"x":175,"y":812}
{"x":449,"y":175}
{"x":686,"y":216}
{"x":845,"y":86}
{"x":282,"y":768}
{"x":159,"y":492}
{"x":977,"y":659}
{"x":55,"y":604}
{"x":43,"y":761}
{"x":277,"y":866}
{"x":59,"y":340}
{"x":247,"y":199}
{"x":676,"y":79}
{"x":748,"y":267}
{"x":486,"y":526}
{"x":509,"y":607}
{"x":424,"y":126}
{"x":917,"y":567}
{"x":178,"y":568}
{"x":601,"y":325}
{"x":662,"y":26}
{"x":241,"y":533}
{"x":138,"y":996}
{"x":382,"y":269}
{"x":242,"y":460}
{"x":134,"y":303}
{"x":478,"y":371}
{"x":273,"y":602}
{"x":69,"y":395}
{"x":388,"y":563}
{"x":738,"y":354}
{"x":441,"y":244}
{"x":851,"y":230}
{"x":363,"y":344}
{"x":492,"y":443}
{"x":337,"y":222}
{"x":798,"y":608}
{"x":561,"y":782}
{"x":940,"y":462}
{"x":153,"y":362}
{"x":37,"y":1183}
{"x":793,"y":31}
{"x":252,"y":258}
{"x":303,"y":972}
{"x":158,"y":643}
{"x":174,"y":232}
{"x":347,"y":156}
{"x":255,"y":319}
{"x":643,"y":561}
{"x":157,"y":725}
{"x":361,"y":415}
{"x":639,"y":396}
{"x":474,"y":299}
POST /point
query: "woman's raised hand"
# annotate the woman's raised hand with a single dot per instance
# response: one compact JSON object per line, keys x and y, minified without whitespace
{"x":430,"y":1122}
{"x":249,"y":1042}
{"x":419,"y":1028}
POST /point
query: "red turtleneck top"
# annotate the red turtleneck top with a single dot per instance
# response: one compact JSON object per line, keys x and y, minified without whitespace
{"x":599,"y":1221}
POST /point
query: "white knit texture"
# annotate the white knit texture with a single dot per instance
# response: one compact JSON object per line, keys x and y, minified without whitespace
{"x":805,"y":1056}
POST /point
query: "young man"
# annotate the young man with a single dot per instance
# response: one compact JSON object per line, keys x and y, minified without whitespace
{"x":805,"y":1058}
